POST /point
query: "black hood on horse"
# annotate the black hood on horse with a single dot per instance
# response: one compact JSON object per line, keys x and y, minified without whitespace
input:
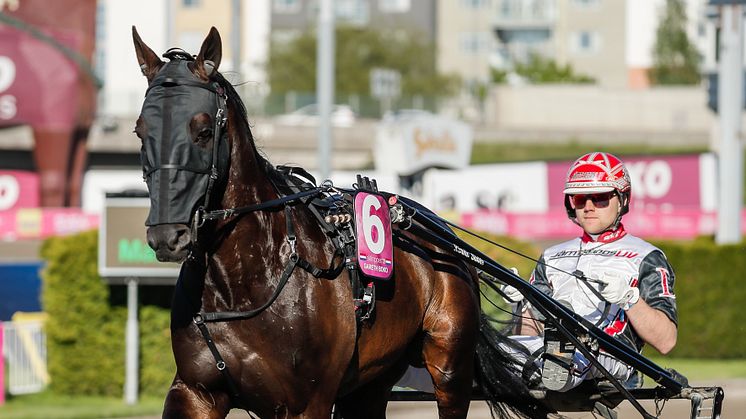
{"x":184,"y":151}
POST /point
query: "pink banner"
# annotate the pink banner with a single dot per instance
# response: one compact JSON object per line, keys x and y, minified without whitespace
{"x":38,"y":223}
{"x":661,"y":183}
{"x":679,"y":224}
{"x":38,"y":84}
{"x":18,"y":190}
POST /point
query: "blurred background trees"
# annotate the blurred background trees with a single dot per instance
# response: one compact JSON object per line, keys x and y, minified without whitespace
{"x":675,"y":58}
{"x":292,"y":65}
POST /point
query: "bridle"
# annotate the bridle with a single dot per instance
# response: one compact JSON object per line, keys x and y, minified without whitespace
{"x":202,"y":214}
{"x":218,"y":135}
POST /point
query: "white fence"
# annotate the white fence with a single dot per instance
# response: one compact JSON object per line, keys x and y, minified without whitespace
{"x":25,"y":353}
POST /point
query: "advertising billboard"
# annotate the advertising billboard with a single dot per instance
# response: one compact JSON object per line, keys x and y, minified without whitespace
{"x":18,"y":189}
{"x":123,"y":248}
{"x":407,"y":145}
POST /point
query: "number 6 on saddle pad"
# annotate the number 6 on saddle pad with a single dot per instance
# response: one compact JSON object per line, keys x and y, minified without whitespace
{"x":375,"y":251}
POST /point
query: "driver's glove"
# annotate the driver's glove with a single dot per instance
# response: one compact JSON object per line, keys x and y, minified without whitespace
{"x":512,"y":295}
{"x":615,"y":288}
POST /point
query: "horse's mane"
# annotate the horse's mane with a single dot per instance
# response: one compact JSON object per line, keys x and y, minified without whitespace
{"x":235,"y":99}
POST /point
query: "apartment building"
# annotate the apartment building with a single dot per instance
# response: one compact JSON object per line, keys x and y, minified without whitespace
{"x":590,"y":35}
{"x":609,"y":40}
{"x":291,"y":17}
{"x":466,"y":43}
{"x":176,"y":23}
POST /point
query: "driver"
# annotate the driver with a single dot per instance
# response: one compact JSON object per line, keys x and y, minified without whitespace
{"x":621,"y":283}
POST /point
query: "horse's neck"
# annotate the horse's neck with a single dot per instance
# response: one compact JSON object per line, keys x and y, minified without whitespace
{"x":248,"y":183}
{"x":245,"y":245}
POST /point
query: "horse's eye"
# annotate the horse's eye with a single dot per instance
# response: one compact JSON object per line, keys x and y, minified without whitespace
{"x":204,"y":135}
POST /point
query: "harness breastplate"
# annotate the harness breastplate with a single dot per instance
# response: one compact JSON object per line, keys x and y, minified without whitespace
{"x":335,"y":216}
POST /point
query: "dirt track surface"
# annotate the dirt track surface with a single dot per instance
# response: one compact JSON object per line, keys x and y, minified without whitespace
{"x":735,"y":402}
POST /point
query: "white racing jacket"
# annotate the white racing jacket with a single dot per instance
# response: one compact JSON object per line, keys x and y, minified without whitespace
{"x":644,"y":265}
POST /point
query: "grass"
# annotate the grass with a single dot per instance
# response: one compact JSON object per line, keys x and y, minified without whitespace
{"x":50,"y":406}
{"x":47,"y":405}
{"x":705,"y":369}
{"x":488,"y":152}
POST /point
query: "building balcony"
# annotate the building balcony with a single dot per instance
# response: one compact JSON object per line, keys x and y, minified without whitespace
{"x":525,"y":14}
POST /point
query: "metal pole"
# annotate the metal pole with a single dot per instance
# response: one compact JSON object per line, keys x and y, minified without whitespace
{"x":131,"y":379}
{"x":169,"y":24}
{"x":730,"y":105}
{"x":325,"y":84}
{"x":236,"y":38}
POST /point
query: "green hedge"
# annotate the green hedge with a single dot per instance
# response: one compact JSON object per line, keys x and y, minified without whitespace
{"x":711,"y":297}
{"x":492,"y":303}
{"x":85,"y":333}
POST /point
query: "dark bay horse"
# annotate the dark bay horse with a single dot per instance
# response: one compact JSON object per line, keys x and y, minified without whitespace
{"x":302,"y":351}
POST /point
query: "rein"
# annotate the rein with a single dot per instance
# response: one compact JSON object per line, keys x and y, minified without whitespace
{"x":203,"y":215}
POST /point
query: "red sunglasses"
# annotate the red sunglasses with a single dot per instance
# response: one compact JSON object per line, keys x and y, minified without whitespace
{"x":600,"y":200}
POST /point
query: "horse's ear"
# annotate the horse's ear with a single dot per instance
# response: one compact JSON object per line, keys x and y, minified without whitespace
{"x":210,"y":54}
{"x":148,"y":60}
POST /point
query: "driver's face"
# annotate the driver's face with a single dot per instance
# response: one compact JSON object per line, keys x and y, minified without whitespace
{"x":595,"y":212}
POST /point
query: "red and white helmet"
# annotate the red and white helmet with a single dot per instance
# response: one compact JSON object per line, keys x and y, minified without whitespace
{"x":598,"y":172}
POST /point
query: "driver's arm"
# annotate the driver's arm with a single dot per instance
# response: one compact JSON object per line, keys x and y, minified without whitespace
{"x":654,"y":316}
{"x":653,"y":326}
{"x":528,"y":325}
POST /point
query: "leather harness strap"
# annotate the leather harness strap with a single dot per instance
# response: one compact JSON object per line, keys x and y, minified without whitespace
{"x":201,"y":318}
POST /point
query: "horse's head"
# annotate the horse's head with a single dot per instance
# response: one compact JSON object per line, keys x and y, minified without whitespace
{"x":184,"y":151}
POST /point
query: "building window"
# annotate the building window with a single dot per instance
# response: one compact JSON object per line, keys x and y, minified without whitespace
{"x":475,"y":4}
{"x":587,"y":3}
{"x":506,"y":8}
{"x":526,"y":9}
{"x":352,"y":11}
{"x":190,"y":3}
{"x":585,"y":42}
{"x":286,"y":6}
{"x":394,"y":6}
{"x":474,"y":42}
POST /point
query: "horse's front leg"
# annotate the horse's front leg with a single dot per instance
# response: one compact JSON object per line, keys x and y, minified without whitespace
{"x":184,"y":401}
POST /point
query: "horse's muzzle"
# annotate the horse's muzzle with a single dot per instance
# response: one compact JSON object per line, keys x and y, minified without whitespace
{"x":171,"y":242}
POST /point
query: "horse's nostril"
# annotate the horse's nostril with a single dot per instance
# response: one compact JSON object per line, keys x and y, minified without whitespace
{"x":179,"y":238}
{"x":152,"y":241}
